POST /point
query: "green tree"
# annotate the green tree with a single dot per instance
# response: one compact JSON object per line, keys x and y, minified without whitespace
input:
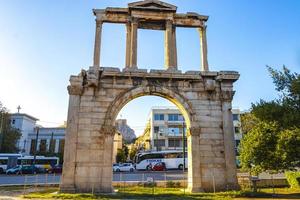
{"x":286,"y":109}
{"x":125,"y":150}
{"x":8,"y":135}
{"x":248,"y":121}
{"x":288,"y":146}
{"x":258,"y":149}
{"x":133,"y":152}
{"x":120,"y":156}
{"x":272,"y":139}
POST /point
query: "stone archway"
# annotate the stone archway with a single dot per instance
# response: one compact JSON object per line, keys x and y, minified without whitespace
{"x":97,"y":95}
{"x":125,"y":97}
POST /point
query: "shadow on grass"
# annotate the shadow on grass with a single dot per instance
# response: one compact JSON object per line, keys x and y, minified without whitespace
{"x":293,"y":195}
{"x":168,"y":194}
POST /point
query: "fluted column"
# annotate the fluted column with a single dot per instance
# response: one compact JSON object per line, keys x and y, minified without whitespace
{"x":97,"y":47}
{"x":128,"y":44}
{"x":175,"y":46}
{"x":203,"y":41}
{"x":170,"y":46}
{"x":133,"y":46}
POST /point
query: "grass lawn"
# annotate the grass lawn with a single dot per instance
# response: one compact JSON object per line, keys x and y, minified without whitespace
{"x":167,"y":193}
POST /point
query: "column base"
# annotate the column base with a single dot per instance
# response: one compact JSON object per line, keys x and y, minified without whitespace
{"x":67,"y":189}
{"x":130,"y":68}
{"x":195,"y":190}
{"x":172,"y":69}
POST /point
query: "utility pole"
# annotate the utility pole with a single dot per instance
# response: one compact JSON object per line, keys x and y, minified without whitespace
{"x":51,"y":150}
{"x":36,"y":143}
{"x":183,"y":145}
{"x":1,"y":130}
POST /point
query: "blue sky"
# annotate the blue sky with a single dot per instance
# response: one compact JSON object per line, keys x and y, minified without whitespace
{"x":43,"y":42}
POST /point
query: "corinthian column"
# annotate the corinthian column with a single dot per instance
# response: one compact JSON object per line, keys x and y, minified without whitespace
{"x":133,"y":45}
{"x":170,"y":46}
{"x":203,"y":41}
{"x":97,"y":47}
{"x":128,"y":44}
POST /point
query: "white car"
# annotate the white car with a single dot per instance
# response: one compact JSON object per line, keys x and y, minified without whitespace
{"x":116,"y":167}
{"x":125,"y":167}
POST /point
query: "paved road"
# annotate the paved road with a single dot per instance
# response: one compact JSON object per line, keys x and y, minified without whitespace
{"x":138,"y":176}
{"x":50,"y":178}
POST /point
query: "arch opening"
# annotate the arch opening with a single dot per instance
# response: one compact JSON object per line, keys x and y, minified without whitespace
{"x":168,"y":134}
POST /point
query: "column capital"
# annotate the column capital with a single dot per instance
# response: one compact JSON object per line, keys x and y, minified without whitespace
{"x":75,"y":90}
{"x":227,"y":95}
{"x":99,"y":23}
{"x":194,"y":131}
{"x":169,"y":23}
{"x":134,"y":20}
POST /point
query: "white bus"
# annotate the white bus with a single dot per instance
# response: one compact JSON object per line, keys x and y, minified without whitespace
{"x":171,"y":159}
{"x":8,"y":160}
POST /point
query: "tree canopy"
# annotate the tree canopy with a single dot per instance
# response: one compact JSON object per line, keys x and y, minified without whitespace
{"x":8,"y":135}
{"x":272,"y":128}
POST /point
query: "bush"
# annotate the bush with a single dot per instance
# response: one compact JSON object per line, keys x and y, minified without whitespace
{"x":150,"y":184}
{"x":171,"y":184}
{"x":293,"y":178}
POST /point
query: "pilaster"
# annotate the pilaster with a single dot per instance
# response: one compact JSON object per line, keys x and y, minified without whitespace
{"x":229,"y":143}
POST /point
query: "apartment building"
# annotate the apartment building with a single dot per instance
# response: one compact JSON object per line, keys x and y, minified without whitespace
{"x":166,"y":129}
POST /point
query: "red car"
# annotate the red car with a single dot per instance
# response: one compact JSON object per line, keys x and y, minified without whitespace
{"x":160,"y":166}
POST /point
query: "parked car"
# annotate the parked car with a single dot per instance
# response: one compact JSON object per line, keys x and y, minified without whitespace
{"x":14,"y":170}
{"x":160,"y":166}
{"x":116,"y":167}
{"x":28,"y":169}
{"x":57,"y":169}
{"x":126,"y":167}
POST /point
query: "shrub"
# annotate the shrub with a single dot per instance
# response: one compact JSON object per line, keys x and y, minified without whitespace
{"x":293,"y":178}
{"x":171,"y":184}
{"x":150,"y":184}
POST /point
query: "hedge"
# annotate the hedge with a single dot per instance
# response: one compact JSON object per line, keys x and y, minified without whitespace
{"x":293,"y":178}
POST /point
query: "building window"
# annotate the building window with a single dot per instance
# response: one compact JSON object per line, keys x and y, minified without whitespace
{"x":235,"y":117}
{"x":181,"y":118}
{"x":32,"y":146}
{"x":61,"y":146}
{"x":43,"y":146}
{"x":237,"y":130}
{"x":158,"y":130}
{"x":173,"y":117}
{"x":159,"y":117}
{"x":175,"y":130}
{"x":13,"y":121}
{"x":159,"y":143}
{"x":173,"y":142}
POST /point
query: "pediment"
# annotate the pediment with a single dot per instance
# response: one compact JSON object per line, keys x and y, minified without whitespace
{"x":153,"y":5}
